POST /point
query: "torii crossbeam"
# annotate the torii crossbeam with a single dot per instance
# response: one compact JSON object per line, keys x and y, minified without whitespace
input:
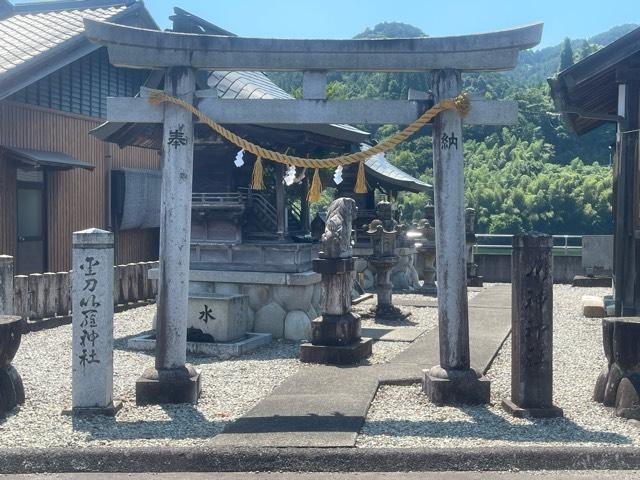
{"x":180,"y":54}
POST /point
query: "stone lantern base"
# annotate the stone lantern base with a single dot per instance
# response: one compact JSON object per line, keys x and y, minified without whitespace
{"x":454,"y":387}
{"x":336,"y":340}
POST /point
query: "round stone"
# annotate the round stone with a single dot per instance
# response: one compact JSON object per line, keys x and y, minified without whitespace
{"x":317,"y":295}
{"x":369,"y":280}
{"x":270,"y":319}
{"x":258,"y":296}
{"x":399,"y":280}
{"x":297,"y":326}
{"x":628,"y":397}
{"x":312,"y":312}
{"x":293,"y":297}
{"x":360,"y":264}
{"x":414,"y":280}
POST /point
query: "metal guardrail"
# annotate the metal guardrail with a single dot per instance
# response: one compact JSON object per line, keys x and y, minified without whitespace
{"x":497,"y":243}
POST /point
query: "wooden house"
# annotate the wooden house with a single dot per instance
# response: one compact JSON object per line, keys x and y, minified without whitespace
{"x":55,"y":178}
{"x":605,"y":88}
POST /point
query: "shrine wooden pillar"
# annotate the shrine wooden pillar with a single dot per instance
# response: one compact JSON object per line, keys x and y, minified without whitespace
{"x":305,"y":214}
{"x":280,"y":202}
{"x":627,"y":210}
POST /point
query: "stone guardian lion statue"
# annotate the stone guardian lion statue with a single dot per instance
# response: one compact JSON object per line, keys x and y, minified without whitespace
{"x":336,"y":239}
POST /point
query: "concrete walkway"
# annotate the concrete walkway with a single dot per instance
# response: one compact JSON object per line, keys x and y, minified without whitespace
{"x":326,"y":406}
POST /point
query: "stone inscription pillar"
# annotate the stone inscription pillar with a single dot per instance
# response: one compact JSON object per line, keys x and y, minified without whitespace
{"x":453,"y":381}
{"x":6,"y":285}
{"x":92,"y":323}
{"x":172,"y":381}
{"x":532,"y":327}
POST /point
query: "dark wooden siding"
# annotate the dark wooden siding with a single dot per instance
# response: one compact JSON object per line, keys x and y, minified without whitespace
{"x":83,"y":86}
{"x":8,"y":235}
{"x":77,"y":198}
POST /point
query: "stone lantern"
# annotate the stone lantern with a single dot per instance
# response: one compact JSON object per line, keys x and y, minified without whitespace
{"x":383,"y":234}
{"x":473,"y":279}
{"x":427,"y":257}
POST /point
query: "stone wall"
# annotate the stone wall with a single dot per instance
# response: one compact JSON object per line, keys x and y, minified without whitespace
{"x":497,"y":268}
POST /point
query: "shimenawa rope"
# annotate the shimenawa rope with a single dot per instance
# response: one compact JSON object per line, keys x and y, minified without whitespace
{"x":459,"y":103}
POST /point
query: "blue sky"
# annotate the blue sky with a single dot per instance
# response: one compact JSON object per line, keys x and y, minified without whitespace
{"x":346,"y":18}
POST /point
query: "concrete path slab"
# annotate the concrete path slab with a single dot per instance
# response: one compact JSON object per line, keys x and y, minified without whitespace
{"x":390,"y":334}
{"x":488,"y":328}
{"x":326,"y":406}
{"x":572,"y":475}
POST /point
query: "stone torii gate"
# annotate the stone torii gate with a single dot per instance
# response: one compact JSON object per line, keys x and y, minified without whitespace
{"x":180,"y":55}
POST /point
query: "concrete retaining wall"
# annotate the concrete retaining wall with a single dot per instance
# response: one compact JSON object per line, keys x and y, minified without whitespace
{"x":497,"y":268}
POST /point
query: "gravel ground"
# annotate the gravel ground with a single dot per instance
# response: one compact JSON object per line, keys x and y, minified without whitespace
{"x":402,"y":416}
{"x":230,"y":389}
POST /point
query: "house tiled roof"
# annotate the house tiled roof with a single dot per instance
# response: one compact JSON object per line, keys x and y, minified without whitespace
{"x":24,"y":36}
{"x":37,"y":39}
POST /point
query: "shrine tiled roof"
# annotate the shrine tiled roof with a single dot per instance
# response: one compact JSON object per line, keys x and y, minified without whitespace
{"x":379,"y":167}
{"x":38,"y":38}
{"x":256,"y":85}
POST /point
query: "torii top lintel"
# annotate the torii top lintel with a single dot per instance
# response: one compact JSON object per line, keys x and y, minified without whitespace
{"x":152,"y":49}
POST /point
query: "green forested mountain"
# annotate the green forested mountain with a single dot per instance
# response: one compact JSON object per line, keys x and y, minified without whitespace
{"x":535,"y":175}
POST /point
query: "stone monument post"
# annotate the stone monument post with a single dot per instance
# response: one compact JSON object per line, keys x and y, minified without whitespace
{"x":171,"y":380}
{"x":92,"y":319}
{"x":6,"y":285}
{"x":335,"y":335}
{"x":532,"y":327}
{"x":453,"y":381}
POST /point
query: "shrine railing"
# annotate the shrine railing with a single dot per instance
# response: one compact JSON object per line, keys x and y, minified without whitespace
{"x":48,"y":295}
{"x":217,"y":199}
{"x":262,"y":208}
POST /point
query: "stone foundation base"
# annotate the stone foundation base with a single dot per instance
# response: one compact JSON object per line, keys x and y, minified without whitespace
{"x":108,"y":411}
{"x":584,"y":281}
{"x":180,"y":385}
{"x":519,"y":412}
{"x":11,"y":389}
{"x":431,"y":290}
{"x":336,"y":330}
{"x":475,"y":282}
{"x":454,"y":387}
{"x":618,"y":384}
{"x":224,"y":351}
{"x":336,"y":355}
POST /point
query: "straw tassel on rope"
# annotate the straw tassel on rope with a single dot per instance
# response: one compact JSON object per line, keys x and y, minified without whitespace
{"x":316,"y":187}
{"x":257,"y":179}
{"x":361,"y":180}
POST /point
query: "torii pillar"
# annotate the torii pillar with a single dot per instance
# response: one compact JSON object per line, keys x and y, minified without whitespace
{"x":453,"y":381}
{"x":172,"y":380}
